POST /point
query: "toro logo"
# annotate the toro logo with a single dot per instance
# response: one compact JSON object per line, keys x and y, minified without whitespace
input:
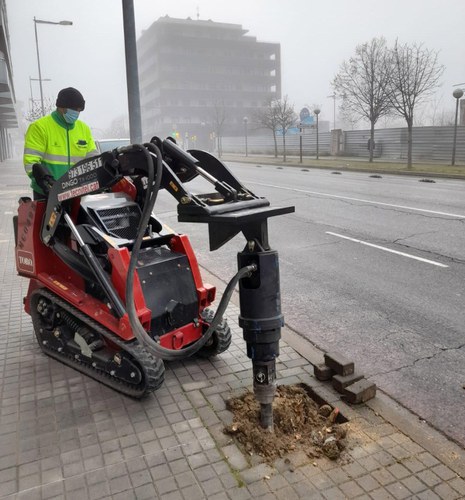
{"x":25,"y":261}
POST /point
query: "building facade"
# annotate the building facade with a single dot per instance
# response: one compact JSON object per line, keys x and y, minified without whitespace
{"x":8,"y":117}
{"x":200,"y":80}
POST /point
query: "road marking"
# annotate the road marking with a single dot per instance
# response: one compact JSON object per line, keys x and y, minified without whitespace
{"x":388,"y":249}
{"x":360,"y":199}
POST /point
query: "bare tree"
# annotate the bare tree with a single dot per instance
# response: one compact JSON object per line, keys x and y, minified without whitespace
{"x":218,"y":119}
{"x":415,"y":76}
{"x":35,"y":110}
{"x":267,"y":117}
{"x":349,"y":119}
{"x":119,"y":127}
{"x":286,"y":117}
{"x":363,"y":83}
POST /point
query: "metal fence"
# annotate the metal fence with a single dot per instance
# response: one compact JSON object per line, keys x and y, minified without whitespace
{"x":429,"y":143}
{"x":263,"y":144}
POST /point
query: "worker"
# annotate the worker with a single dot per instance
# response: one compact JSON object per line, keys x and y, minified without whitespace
{"x":58,"y":140}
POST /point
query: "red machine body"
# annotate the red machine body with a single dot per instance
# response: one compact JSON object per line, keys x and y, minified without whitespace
{"x":38,"y":262}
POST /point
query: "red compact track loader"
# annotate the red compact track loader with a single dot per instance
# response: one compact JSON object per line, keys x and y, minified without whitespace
{"x":113,"y":292}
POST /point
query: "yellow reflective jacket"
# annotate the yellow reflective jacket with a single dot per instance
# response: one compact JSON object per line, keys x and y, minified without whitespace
{"x":57,"y":145}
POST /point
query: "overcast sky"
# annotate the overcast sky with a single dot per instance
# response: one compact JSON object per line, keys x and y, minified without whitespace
{"x":315,"y":38}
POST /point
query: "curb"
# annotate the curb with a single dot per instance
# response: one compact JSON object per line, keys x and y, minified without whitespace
{"x":436,"y":443}
{"x":353,"y":169}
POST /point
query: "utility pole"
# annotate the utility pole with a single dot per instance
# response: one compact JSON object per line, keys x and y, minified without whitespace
{"x":333,"y":97}
{"x":132,"y":72}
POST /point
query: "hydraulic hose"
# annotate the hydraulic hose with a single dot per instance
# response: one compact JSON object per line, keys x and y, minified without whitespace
{"x":142,"y":336}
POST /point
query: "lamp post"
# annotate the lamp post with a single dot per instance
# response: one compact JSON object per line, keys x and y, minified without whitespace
{"x":458,"y":93}
{"x":317,"y":112}
{"x":36,"y":22}
{"x":245,"y":133}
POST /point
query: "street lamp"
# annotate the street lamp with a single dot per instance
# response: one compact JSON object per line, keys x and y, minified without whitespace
{"x":458,"y":93}
{"x":317,"y":112}
{"x":36,"y":22}
{"x":245,"y":132}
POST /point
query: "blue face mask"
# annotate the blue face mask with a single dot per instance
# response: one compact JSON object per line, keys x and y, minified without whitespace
{"x":70,"y":116}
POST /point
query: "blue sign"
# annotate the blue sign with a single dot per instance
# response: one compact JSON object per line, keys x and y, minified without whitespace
{"x":308,"y":121}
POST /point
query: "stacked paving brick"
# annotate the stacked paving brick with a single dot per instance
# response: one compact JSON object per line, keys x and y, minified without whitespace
{"x":353,"y":386}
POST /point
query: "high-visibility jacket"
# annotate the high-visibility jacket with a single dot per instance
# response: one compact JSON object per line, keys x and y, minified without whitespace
{"x":57,"y":145}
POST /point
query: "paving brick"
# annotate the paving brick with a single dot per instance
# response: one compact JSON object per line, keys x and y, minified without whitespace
{"x":413,"y":484}
{"x":398,"y":471}
{"x":322,"y":481}
{"x":359,"y":392}
{"x":381,"y":494}
{"x":446,"y":492}
{"x":429,"y":478}
{"x":351,"y":489}
{"x":256,"y":473}
{"x":428,"y":495}
{"x":398,"y":490}
{"x":413,"y":465}
{"x":191,"y":492}
{"x":146,"y":492}
{"x":140,"y":478}
{"x":444,"y":472}
{"x":323,"y":372}
{"x":235,"y":457}
{"x":338,"y":476}
{"x":333,"y":494}
{"x":368,"y":482}
{"x":383,"y":476}
{"x":166,"y":485}
{"x":339,"y":363}
{"x":458,"y":484}
{"x":428,"y":459}
{"x":212,"y":486}
{"x":258,"y":489}
{"x":305,"y":490}
{"x":340,"y":382}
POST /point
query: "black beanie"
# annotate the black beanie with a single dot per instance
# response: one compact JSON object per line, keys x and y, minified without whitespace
{"x":70,"y":98}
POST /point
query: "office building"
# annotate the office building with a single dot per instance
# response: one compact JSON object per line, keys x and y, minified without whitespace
{"x":203,"y":79}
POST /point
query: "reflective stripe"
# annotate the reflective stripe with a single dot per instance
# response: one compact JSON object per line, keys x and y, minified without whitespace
{"x":62,"y":158}
{"x":35,"y":152}
{"x":94,"y":152}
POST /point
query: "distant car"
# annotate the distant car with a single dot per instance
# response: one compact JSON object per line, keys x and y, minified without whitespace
{"x":110,"y":144}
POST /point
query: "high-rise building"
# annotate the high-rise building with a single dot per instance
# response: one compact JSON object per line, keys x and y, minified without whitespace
{"x":203,"y":79}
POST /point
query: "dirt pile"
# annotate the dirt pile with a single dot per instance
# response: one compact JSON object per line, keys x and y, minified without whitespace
{"x":299,"y":424}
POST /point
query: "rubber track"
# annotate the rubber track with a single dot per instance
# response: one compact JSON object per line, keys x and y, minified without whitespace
{"x":223,"y":336}
{"x":153,"y":368}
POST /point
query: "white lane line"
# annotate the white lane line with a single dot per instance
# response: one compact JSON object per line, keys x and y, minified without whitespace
{"x":359,"y":199}
{"x":387,"y":249}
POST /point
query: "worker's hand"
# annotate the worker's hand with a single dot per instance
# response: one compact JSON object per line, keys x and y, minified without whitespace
{"x":43,"y":177}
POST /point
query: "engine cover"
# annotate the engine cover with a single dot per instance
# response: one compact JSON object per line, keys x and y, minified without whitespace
{"x":169,"y":289}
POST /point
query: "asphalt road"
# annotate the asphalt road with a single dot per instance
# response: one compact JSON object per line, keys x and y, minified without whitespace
{"x":371,"y":267}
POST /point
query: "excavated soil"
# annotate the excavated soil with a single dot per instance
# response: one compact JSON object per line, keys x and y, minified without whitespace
{"x":299,"y":424}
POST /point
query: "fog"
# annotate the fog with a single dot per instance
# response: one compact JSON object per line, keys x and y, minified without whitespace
{"x":315,"y":38}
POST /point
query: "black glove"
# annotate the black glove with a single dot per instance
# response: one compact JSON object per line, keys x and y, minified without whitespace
{"x":43,"y":177}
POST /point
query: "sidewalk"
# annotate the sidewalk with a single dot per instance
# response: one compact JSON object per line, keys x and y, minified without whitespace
{"x":356,"y":164}
{"x":63,"y":435}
